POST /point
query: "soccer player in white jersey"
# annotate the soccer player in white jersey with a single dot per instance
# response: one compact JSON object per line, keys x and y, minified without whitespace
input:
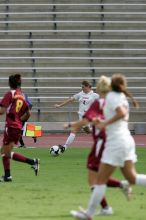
{"x":85,"y":98}
{"x":119,"y":148}
{"x":99,"y":139}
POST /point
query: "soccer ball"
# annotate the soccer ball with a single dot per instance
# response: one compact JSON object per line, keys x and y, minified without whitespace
{"x":55,"y":150}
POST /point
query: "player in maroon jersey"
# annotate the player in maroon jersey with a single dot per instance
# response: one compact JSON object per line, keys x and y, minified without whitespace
{"x":99,"y":138}
{"x":14,"y":105}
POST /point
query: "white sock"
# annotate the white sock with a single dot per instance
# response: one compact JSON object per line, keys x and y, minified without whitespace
{"x":96,"y":197}
{"x":69,"y":140}
{"x":141,"y":179}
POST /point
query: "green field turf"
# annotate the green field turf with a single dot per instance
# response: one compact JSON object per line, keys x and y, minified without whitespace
{"x":62,"y":186}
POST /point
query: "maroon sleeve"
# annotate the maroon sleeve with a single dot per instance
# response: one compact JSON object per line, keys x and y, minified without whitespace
{"x":6,"y":100}
{"x":93,"y":111}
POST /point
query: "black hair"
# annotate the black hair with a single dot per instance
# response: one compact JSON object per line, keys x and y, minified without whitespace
{"x":15,"y":81}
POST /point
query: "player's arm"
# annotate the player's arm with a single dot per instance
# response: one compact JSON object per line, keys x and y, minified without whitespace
{"x":25,"y":116}
{"x":64,"y":102}
{"x":87,"y":118}
{"x":120,"y":113}
{"x":77,"y":125}
{"x":5,"y":102}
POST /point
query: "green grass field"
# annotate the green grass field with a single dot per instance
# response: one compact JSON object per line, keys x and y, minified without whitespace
{"x":62,"y":186}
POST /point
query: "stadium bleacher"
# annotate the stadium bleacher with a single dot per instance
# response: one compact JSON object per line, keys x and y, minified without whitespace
{"x":58,"y":44}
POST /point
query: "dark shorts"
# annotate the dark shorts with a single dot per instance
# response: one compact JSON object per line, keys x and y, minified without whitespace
{"x":95,"y":155}
{"x":11,"y":135}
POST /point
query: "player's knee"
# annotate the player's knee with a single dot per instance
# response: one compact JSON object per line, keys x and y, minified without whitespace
{"x":5,"y":152}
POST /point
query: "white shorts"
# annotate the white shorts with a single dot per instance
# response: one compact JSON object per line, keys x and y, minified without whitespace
{"x":116,"y":152}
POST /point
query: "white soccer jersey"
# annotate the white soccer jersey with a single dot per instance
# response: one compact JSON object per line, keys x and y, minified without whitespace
{"x":85,"y":100}
{"x":120,"y":127}
{"x":119,"y":146}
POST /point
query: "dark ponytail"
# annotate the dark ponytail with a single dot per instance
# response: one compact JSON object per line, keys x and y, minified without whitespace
{"x":128,"y":94}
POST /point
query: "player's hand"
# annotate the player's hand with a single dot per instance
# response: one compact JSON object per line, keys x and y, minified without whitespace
{"x":56,"y":105}
{"x":96,"y":120}
{"x":101,"y":125}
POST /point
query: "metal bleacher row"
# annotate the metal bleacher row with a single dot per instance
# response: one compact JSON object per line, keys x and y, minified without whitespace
{"x":56,"y":44}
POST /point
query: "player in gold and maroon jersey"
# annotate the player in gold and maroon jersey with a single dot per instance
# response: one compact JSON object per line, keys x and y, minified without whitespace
{"x":14,"y":105}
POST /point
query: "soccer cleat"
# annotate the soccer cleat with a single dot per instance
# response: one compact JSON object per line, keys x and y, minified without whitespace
{"x":62,"y":148}
{"x":6,"y":179}
{"x":36,"y":166}
{"x":105,"y":211}
{"x":126,"y":189}
{"x":80,"y":215}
